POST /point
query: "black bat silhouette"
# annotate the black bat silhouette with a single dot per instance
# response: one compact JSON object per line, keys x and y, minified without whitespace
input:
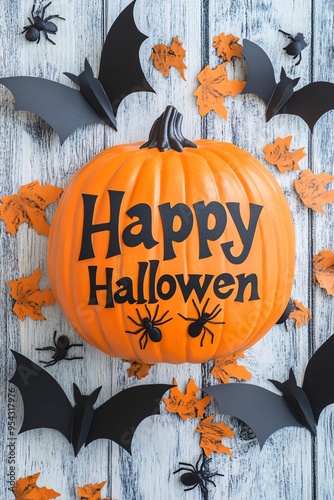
{"x":266,"y":412}
{"x":310,"y":102}
{"x":97,"y":101}
{"x":46,"y":405}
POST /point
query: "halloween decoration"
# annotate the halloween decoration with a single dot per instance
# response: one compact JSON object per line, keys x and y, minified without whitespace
{"x":279,"y":153}
{"x":165,"y":57}
{"x":212,"y":434}
{"x":39,"y":25}
{"x":26,"y":488}
{"x":186,"y":405}
{"x":197,"y":476}
{"x":312,"y":191}
{"x":60,"y":348}
{"x":301,"y":314}
{"x":98,"y":99}
{"x":163,"y":252}
{"x":266,"y":412}
{"x":323,"y":264}
{"x":46,"y":405}
{"x":91,"y":491}
{"x":309,"y":102}
{"x":226,"y":368}
{"x":296,"y":45}
{"x":227,"y":46}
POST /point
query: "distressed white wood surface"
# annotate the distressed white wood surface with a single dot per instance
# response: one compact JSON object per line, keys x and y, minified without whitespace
{"x":292,"y":465}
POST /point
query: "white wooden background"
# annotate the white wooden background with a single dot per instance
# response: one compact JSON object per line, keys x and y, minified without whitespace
{"x":292,"y":465}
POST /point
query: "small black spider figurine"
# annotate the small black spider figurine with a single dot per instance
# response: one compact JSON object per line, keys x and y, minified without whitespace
{"x":60,"y":348}
{"x":197,"y":476}
{"x":296,"y":45}
{"x":197,"y":325}
{"x":148,"y":326}
{"x":38,"y":24}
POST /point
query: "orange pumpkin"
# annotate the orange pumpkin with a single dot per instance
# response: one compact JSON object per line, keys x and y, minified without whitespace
{"x":172,"y":251}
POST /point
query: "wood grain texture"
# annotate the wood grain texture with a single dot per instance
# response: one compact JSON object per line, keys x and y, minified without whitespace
{"x":292,"y":465}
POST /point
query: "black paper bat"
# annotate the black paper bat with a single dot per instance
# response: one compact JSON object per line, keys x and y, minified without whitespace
{"x":97,"y":101}
{"x":46,"y":405}
{"x":310,"y":102}
{"x":266,"y":412}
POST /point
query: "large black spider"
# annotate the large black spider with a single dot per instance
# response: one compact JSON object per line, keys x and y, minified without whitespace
{"x":148,"y":325}
{"x":197,"y":476}
{"x":60,"y":348}
{"x":38,"y":24}
{"x":197,"y":325}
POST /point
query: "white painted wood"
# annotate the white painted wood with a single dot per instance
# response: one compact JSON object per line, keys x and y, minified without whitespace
{"x":292,"y":465}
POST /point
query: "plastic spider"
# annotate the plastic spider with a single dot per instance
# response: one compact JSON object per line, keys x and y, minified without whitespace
{"x":197,"y":325}
{"x":38,"y":24}
{"x":197,"y":476}
{"x":148,"y":325}
{"x":60,"y":348}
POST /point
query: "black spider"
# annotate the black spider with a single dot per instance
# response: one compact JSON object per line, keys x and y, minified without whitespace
{"x":296,"y":45}
{"x":198,"y":324}
{"x":197,"y":476}
{"x":148,"y":326}
{"x":60,"y":348}
{"x":38,"y":24}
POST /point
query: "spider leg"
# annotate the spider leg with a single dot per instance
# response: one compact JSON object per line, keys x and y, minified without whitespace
{"x":205,"y":306}
{"x":74,"y":345}
{"x":216,"y":322}
{"x":53,"y":17}
{"x":48,"y":348}
{"x":184,"y":468}
{"x":48,"y":363}
{"x":212,"y":314}
{"x":145,"y":337}
{"x":204,"y":490}
{"x":44,"y":9}
{"x":139,"y":316}
{"x":158,"y":323}
{"x":195,"y":306}
{"x":154,"y":315}
{"x":188,"y":489}
{"x":49,"y":39}
{"x":136,"y":331}
{"x":192,"y":468}
{"x":197,"y":464}
{"x":75,"y":357}
{"x":187,"y":319}
{"x":135,"y":322}
{"x":300,"y":58}
{"x":206,"y":329}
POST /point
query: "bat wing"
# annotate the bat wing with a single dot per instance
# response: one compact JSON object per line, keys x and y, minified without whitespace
{"x":45,"y":403}
{"x":120,"y":70}
{"x":118,"y":418}
{"x":262,"y":410}
{"x":62,"y":107}
{"x":311,"y":102}
{"x":260,"y":72}
{"x":319,"y":378}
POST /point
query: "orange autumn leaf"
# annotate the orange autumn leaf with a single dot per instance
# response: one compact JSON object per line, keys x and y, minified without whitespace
{"x":25,"y":488}
{"x":91,"y":491}
{"x":227,"y":46}
{"x":312,"y":192}
{"x":225,"y":368}
{"x":323,"y":264}
{"x":214,"y":87}
{"x":186,"y":404}
{"x":279,"y":154}
{"x":212,"y":434}
{"x":165,"y":57}
{"x":300,"y":313}
{"x":29,"y":206}
{"x":28,"y":297}
{"x":138,"y":369}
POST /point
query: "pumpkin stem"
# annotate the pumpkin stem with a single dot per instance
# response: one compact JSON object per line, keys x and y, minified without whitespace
{"x":166,"y":132}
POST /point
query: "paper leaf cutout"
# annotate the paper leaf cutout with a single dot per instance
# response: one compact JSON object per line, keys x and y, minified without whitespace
{"x":214,"y":87}
{"x":225,"y":368}
{"x":91,"y":491}
{"x":165,"y":57}
{"x":29,"y":299}
{"x":138,"y":369}
{"x":212,"y":434}
{"x":312,"y":192}
{"x":186,"y":404}
{"x":25,"y":488}
{"x":300,"y":313}
{"x":227,"y":46}
{"x":323,"y":264}
{"x":279,"y":154}
{"x":29,"y":206}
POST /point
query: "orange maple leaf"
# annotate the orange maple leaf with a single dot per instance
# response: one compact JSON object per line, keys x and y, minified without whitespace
{"x":225,"y":368}
{"x":91,"y":491}
{"x":323,"y":264}
{"x":212,"y":434}
{"x":300,"y":313}
{"x":25,"y":488}
{"x":138,"y":369}
{"x":311,"y":190}
{"x":279,"y":154}
{"x":227,"y":46}
{"x":186,"y":404}
{"x":29,"y":206}
{"x":165,"y":57}
{"x":28,"y":297}
{"x":214,"y":87}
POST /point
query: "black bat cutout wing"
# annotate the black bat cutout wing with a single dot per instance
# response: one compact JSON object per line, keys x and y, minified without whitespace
{"x":262,"y":410}
{"x":46,"y":405}
{"x":309,"y":102}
